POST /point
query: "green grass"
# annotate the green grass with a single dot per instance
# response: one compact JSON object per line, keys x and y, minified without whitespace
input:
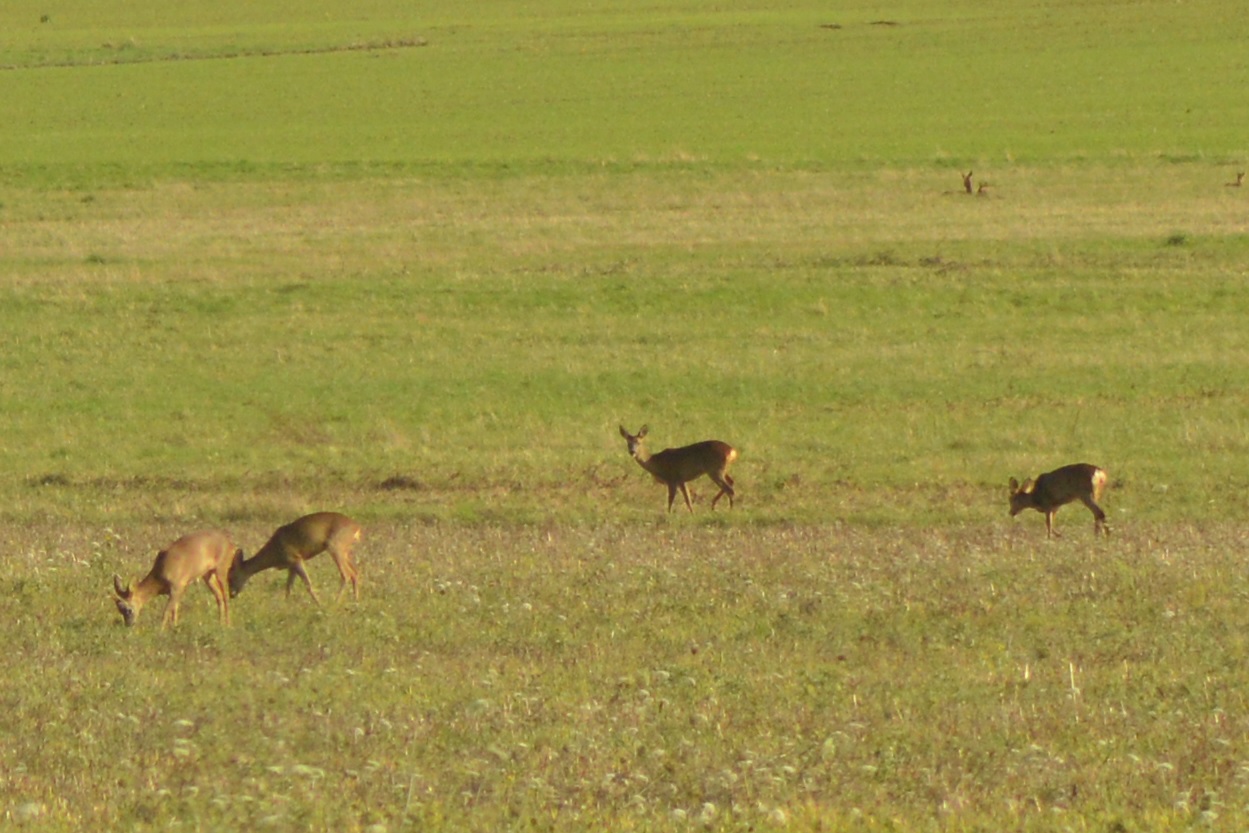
{"x":640,"y":677}
{"x":101,"y":93}
{"x":417,"y":267}
{"x":331,"y":336}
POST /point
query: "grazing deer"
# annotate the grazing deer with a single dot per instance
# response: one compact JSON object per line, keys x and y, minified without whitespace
{"x":293,"y":544}
{"x":674,"y":467}
{"x":1079,"y":481}
{"x":1240,"y":178}
{"x":207,"y":555}
{"x":967,"y":182}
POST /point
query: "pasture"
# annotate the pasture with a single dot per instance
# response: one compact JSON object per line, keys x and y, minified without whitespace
{"x":418,"y":268}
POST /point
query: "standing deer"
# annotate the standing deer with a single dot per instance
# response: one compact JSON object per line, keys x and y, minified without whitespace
{"x":674,"y":467}
{"x":1079,"y":481}
{"x":207,"y":555}
{"x":301,"y":539}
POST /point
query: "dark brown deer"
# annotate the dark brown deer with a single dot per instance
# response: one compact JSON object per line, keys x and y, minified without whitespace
{"x":674,"y":467}
{"x":1079,"y":481}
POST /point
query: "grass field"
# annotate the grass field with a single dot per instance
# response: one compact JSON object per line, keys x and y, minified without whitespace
{"x":418,"y":265}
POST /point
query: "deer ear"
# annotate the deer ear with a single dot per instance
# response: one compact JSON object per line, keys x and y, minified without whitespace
{"x":123,"y":592}
{"x":1028,"y":486}
{"x":642,"y":431}
{"x":1014,"y":485}
{"x":624,"y":433}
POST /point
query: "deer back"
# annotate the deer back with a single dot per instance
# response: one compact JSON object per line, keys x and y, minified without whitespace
{"x":1058,"y":487}
{"x":196,"y":555}
{"x":303,"y":538}
{"x":691,"y":461}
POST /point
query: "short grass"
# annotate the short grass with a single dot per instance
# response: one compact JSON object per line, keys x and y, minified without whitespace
{"x":879,"y":349}
{"x":645,"y":677}
{"x":417,"y":267}
{"x":232,"y":88}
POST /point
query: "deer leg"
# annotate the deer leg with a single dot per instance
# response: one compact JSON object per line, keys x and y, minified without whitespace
{"x":726,"y":488}
{"x":1049,"y":524}
{"x":347,"y":571}
{"x":217,"y":587}
{"x":340,"y":550}
{"x":1099,"y":517}
{"x":171,"y":609}
{"x":672,"y":494}
{"x":223,"y":584}
{"x":297,"y":570}
{"x":685,"y":493}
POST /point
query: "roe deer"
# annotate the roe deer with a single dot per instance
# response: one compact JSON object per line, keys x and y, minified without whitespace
{"x":674,"y":467}
{"x":207,"y":555}
{"x":1079,"y":481}
{"x":293,"y":544}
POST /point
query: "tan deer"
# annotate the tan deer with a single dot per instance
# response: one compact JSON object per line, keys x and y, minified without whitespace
{"x":301,"y":539}
{"x":205,"y":555}
{"x":674,"y":467}
{"x":1079,"y":481}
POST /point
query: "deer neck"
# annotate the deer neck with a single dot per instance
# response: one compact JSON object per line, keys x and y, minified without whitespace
{"x":646,"y":461}
{"x":643,"y":457}
{"x":248,"y":567}
{"x":272,"y":554}
{"x":244,"y":569}
{"x":148,"y":588}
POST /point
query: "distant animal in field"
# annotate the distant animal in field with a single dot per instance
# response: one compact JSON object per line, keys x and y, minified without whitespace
{"x":967,"y":182}
{"x":1240,"y":178}
{"x":1080,"y":481}
{"x":674,"y":467}
{"x":296,"y":542}
{"x":205,"y":555}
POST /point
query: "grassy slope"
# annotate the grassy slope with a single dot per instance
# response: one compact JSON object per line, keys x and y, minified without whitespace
{"x":238,"y":288}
